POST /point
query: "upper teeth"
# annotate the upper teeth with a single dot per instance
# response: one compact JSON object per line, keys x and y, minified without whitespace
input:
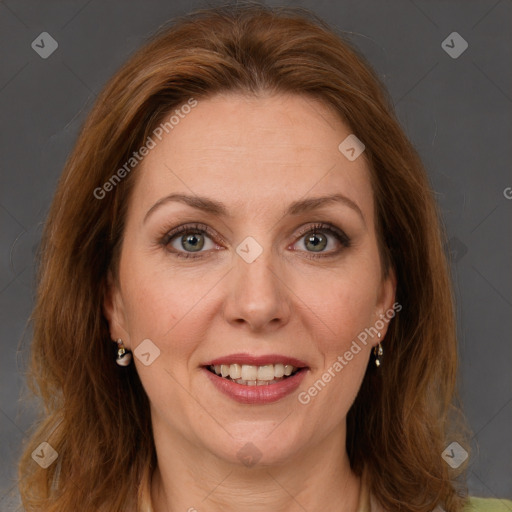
{"x":250,"y":373}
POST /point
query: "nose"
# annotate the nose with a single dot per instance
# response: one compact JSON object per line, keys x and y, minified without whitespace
{"x":257,"y":296}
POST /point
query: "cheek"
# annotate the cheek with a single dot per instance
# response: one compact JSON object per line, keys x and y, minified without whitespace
{"x":346,"y":311}
{"x":161,"y":302}
{"x":152,"y":307}
{"x":342,"y":302}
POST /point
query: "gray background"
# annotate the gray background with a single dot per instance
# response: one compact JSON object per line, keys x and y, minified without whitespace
{"x":457,"y":112}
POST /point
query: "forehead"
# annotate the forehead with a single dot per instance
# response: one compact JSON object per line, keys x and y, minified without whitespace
{"x":254,"y":153}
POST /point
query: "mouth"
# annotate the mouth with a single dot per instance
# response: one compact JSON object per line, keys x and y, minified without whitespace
{"x":252,"y":375}
{"x":255,"y":379}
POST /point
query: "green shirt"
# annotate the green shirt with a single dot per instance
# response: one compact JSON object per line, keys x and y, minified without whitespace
{"x":488,"y":505}
{"x":367,"y":502}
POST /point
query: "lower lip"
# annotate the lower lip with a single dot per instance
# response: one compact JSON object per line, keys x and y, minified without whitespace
{"x":258,"y":395}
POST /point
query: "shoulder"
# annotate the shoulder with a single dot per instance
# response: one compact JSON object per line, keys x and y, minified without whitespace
{"x":487,"y":505}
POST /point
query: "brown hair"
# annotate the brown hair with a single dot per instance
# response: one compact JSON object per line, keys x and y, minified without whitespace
{"x":96,"y":415}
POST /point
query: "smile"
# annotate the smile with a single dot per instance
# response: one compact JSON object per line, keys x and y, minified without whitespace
{"x":251,"y":375}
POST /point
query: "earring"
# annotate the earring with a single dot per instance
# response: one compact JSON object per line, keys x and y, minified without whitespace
{"x":377,"y":352}
{"x":124,"y":356}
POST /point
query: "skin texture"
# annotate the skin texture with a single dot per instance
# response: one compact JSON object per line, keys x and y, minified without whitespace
{"x":255,"y":155}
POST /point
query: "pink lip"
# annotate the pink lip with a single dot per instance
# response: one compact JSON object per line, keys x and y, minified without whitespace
{"x":256,"y":395}
{"x":256,"y":360}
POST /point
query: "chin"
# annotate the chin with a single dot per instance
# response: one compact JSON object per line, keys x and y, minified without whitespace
{"x":252,"y":449}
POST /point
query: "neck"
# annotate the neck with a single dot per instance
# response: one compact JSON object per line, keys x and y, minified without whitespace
{"x":319,"y":478}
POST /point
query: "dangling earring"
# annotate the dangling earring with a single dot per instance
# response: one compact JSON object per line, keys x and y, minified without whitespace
{"x":377,"y":352}
{"x":124,"y":356}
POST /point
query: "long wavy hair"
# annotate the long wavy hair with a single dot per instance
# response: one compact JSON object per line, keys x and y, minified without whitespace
{"x":96,"y":415}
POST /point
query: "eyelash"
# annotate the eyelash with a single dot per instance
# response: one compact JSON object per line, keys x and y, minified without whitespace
{"x":204,"y":229}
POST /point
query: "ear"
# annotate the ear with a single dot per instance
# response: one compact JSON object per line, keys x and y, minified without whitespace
{"x":386,"y":307}
{"x":113,"y":309}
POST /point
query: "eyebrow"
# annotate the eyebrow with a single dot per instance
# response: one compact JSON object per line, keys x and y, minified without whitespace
{"x":211,"y":206}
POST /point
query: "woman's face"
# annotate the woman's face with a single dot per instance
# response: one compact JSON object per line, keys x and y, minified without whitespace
{"x":263,"y":276}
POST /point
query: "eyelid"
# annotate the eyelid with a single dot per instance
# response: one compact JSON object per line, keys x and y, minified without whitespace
{"x":318,"y":226}
{"x":169,"y":234}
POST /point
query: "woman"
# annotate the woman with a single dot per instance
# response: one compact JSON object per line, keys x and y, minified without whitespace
{"x":305,"y":357}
